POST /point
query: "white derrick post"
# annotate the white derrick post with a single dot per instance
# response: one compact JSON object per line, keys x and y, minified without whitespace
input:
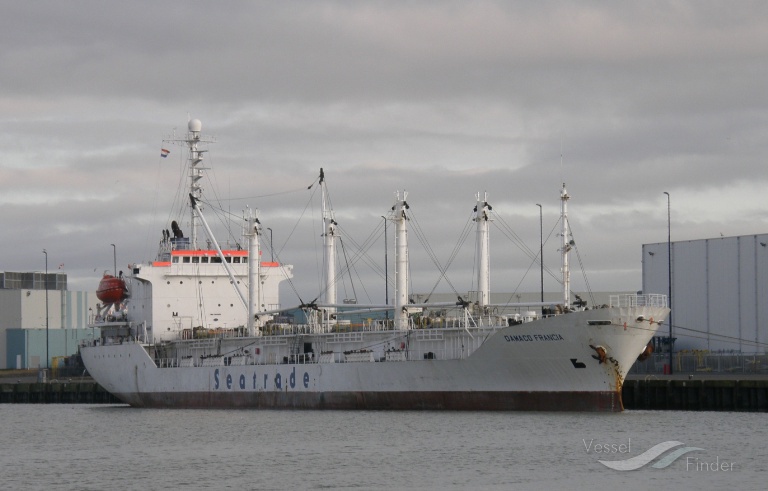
{"x":401,"y":261}
{"x":567,"y":244}
{"x":329,"y":248}
{"x":482,"y":217}
{"x":254,"y":273}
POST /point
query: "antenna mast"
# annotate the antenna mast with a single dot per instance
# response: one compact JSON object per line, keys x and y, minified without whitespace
{"x":192,"y":139}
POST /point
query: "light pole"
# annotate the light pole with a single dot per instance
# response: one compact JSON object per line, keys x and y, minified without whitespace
{"x":272,"y":250}
{"x":386,"y":284}
{"x":114,"y":257}
{"x":45,"y":280}
{"x":541,"y":248}
{"x":669,"y":275}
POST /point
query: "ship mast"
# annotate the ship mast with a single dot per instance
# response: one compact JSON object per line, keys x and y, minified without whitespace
{"x":254,"y":271}
{"x":329,"y":246}
{"x":482,"y":217}
{"x":401,"y":261}
{"x":567,"y":244}
{"x":192,"y":139}
{"x":195,"y":173}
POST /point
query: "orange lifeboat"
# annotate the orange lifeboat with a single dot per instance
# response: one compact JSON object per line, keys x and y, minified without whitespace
{"x":111,"y":289}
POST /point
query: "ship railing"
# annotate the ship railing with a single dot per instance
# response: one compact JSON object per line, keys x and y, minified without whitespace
{"x":420,"y":352}
{"x":167,"y":362}
{"x":301,"y":358}
{"x":283,"y":329}
{"x":639,"y":300}
{"x":107,"y":341}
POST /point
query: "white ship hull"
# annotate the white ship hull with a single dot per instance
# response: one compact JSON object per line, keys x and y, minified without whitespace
{"x":548,"y":364}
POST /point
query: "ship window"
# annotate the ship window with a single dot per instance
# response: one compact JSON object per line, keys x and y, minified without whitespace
{"x":229,"y":259}
{"x":235,"y":259}
{"x":216,"y":259}
{"x":186,"y":259}
{"x":176,"y":259}
{"x":205,"y":259}
{"x":195,"y":259}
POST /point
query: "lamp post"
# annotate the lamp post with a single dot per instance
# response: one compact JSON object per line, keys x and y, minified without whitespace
{"x":386,"y":284}
{"x":45,"y":281}
{"x":541,"y":248}
{"x":272,"y":250}
{"x":114,"y":257}
{"x":669,"y":275}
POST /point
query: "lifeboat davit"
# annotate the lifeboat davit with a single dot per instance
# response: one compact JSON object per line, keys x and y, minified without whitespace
{"x":111,"y":289}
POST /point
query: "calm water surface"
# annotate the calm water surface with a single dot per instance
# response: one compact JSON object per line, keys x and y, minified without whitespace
{"x":116,"y":447}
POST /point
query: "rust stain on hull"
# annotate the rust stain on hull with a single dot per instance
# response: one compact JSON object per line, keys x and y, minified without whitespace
{"x":607,"y":401}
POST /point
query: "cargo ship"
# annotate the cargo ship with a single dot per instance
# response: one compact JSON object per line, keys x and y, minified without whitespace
{"x":203,"y":327}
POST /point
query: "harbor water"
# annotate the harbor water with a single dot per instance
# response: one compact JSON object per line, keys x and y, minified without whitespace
{"x":94,"y":447}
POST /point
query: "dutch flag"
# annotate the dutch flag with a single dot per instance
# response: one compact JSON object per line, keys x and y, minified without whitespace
{"x":164,"y":153}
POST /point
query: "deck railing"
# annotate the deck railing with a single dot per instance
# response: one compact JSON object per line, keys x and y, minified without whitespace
{"x":639,"y":300}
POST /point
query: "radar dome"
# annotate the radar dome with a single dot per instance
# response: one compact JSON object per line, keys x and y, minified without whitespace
{"x":195,"y":125}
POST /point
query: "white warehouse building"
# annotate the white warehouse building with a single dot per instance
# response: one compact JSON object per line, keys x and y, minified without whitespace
{"x":719,"y":291}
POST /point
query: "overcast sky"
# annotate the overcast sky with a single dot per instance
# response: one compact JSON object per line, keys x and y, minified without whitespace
{"x":620,"y":100}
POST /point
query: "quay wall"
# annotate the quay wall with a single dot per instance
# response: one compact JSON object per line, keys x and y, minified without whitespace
{"x":713,"y":394}
{"x":51,"y":393}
